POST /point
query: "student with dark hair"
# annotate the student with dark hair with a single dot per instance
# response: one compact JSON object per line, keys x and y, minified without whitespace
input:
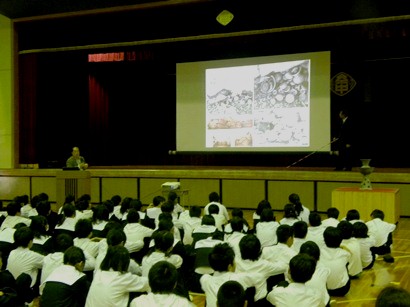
{"x":297,"y":293}
{"x":67,"y":220}
{"x":22,"y":259}
{"x":7,"y":243}
{"x":173,"y":197}
{"x":135,"y":232}
{"x":282,"y":251}
{"x":382,"y":232}
{"x":300,"y":229}
{"x":353,"y":216}
{"x":44,"y":209}
{"x":315,"y":229}
{"x":336,"y":259}
{"x":112,"y":282}
{"x":266,"y":228}
{"x":222,"y":260}
{"x":67,"y":285}
{"x":302,"y":211}
{"x":220,"y":220}
{"x":83,"y":207}
{"x":393,"y":296}
{"x":214,"y":198}
{"x":42,"y":242}
{"x":205,"y":230}
{"x":289,"y":215}
{"x":332,"y":217}
{"x":352,"y":245}
{"x":231,"y":294}
{"x":249,"y":260}
{"x":237,"y":212}
{"x":319,"y":278}
{"x":256,"y":217}
{"x":360,"y":232}
{"x":235,"y":237}
{"x":191,"y":223}
{"x":14,"y":216}
{"x":154,"y":209}
{"x":101,"y":216}
{"x":162,"y":277}
{"x":83,"y":234}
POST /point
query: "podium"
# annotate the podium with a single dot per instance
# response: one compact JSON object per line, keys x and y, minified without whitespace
{"x":76,"y":183}
{"x":365,"y":201}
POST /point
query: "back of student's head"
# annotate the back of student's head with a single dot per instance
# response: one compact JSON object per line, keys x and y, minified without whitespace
{"x":333,"y":212}
{"x":168,"y":206}
{"x":208,"y":220}
{"x":250,"y":247}
{"x":109,"y":226}
{"x":195,"y":211}
{"x":289,"y":211}
{"x":133,"y":216}
{"x":62,"y":242}
{"x":73,"y":255}
{"x":125,"y":204}
{"x":300,"y":229}
{"x":116,"y":236}
{"x":117,"y":259}
{"x":22,"y":236}
{"x":83,"y":228}
{"x":43,"y":208}
{"x":332,"y":236}
{"x":101,"y":212}
{"x":157,"y":200}
{"x":164,"y":240}
{"x":162,"y":277}
{"x":69,"y":198}
{"x":82,"y":204}
{"x":311,"y":248}
{"x":295,"y":200}
{"x":346,"y":229}
{"x":173,"y":196}
{"x":221,"y":257}
{"x":136,"y":204}
{"x":237,"y":212}
{"x":237,"y":223}
{"x":301,"y":267}
{"x":360,"y":230}
{"x":352,"y":214}
{"x":213,"y":197}
{"x":213,"y":209}
{"x":43,"y":196}
{"x":35,"y":200}
{"x":165,"y":224}
{"x":377,"y":214}
{"x":267,"y":215}
{"x":231,"y":294}
{"x":109,"y":204}
{"x":263,"y":204}
{"x":284,"y":232}
{"x":116,"y":199}
{"x":13,"y":208}
{"x":39,"y":225}
{"x":315,"y":219}
{"x":69,"y":210}
{"x":393,"y":296}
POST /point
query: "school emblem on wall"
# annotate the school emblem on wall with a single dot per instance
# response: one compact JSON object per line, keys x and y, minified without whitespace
{"x":342,"y":83}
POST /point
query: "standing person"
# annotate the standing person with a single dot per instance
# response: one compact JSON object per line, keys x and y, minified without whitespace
{"x":344,"y":143}
{"x":76,"y":160}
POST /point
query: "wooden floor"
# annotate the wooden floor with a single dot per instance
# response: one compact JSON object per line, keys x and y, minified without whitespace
{"x":364,"y":290}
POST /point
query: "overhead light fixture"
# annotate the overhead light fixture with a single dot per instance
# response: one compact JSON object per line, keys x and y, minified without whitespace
{"x":224,"y":17}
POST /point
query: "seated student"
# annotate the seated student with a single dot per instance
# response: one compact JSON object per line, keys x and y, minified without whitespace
{"x":83,"y":207}
{"x":42,"y":242}
{"x":135,"y":232}
{"x":239,"y":213}
{"x":319,"y":278}
{"x":112,"y":283}
{"x":297,"y":293}
{"x":135,"y":204}
{"x":266,"y":228}
{"x":235,"y":237}
{"x":282,"y":251}
{"x":222,"y":260}
{"x":154,"y":209}
{"x":315,"y":229}
{"x":214,"y":198}
{"x":332,"y":217}
{"x":220,"y":220}
{"x":190,"y":224}
{"x":392,"y":296}
{"x":360,"y":232}
{"x":13,"y":217}
{"x":173,"y":197}
{"x":382,"y":232}
{"x":205,"y":230}
{"x":22,"y":259}
{"x":44,"y":209}
{"x":300,"y":229}
{"x":162,"y":279}
{"x":67,"y":285}
{"x":302,"y":211}
{"x":256,"y":217}
{"x":83,"y":233}
{"x":290,"y":216}
{"x":336,"y":259}
{"x":231,"y":294}
{"x":67,"y":221}
{"x":101,"y":216}
{"x":7,"y":243}
{"x":352,"y":245}
{"x":249,"y":260}
{"x":116,"y":201}
{"x":353,"y":216}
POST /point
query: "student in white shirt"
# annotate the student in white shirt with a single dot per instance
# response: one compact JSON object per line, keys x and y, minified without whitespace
{"x":332,"y":217}
{"x":352,"y":245}
{"x":112,"y":282}
{"x":191,"y":223}
{"x":282,"y":251}
{"x":162,"y":279}
{"x":235,"y":237}
{"x":135,"y":232}
{"x":266,"y":228}
{"x":220,"y":220}
{"x":300,"y":229}
{"x":289,"y":216}
{"x":360,"y":232}
{"x":301,"y":210}
{"x":214,"y":198}
{"x":14,"y":217}
{"x":316,"y":229}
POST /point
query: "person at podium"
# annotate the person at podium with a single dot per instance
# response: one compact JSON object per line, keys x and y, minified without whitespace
{"x":76,"y":160}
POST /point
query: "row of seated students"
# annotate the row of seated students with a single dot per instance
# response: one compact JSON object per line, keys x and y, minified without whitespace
{"x":187,"y":240}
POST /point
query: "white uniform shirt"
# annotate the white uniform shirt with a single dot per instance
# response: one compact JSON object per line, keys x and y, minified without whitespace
{"x":158,"y":299}
{"x":12,"y":220}
{"x":336,"y":260}
{"x":266,"y":233}
{"x":136,"y":233}
{"x":295,"y":294}
{"x":355,"y":264}
{"x":23,"y":260}
{"x":149,"y":260}
{"x":379,"y":230}
{"x":365,"y":252}
{"x":331,"y":221}
{"x":222,"y":210}
{"x":279,"y":252}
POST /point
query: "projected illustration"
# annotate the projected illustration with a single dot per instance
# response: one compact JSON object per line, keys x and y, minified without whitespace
{"x":258,"y":105}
